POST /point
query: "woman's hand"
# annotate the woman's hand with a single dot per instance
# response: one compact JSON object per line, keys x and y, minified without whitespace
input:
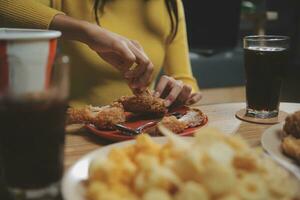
{"x":174,"y":91}
{"x":125,"y":55}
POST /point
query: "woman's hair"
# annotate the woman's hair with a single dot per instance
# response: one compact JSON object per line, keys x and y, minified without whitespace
{"x":171,"y":7}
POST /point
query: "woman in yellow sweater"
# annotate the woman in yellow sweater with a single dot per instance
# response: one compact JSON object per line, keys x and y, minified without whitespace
{"x":157,"y":33}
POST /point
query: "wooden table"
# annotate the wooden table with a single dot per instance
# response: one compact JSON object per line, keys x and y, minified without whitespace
{"x":221,"y":116}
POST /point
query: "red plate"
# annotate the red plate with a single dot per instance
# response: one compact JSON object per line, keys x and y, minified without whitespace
{"x":115,"y":135}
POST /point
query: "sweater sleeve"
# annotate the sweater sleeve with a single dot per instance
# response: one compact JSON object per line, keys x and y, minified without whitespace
{"x":177,"y":63}
{"x":26,"y":14}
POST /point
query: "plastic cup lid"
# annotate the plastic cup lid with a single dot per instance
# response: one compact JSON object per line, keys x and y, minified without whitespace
{"x":27,"y":34}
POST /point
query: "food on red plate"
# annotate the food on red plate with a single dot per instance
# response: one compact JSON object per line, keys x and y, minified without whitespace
{"x":171,"y":123}
{"x":194,"y":117}
{"x":136,"y":112}
{"x":291,"y":142}
{"x":143,"y":102}
{"x":102,"y":117}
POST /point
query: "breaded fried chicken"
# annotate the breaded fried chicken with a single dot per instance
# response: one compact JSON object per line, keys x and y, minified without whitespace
{"x":170,"y":122}
{"x":192,"y":118}
{"x":291,"y":144}
{"x":102,"y":117}
{"x":292,"y":125}
{"x":291,"y":147}
{"x":175,"y":125}
{"x":143,"y":102}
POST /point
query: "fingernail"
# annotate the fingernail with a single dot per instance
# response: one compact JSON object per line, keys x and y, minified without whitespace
{"x":156,"y":94}
{"x":167,"y":103}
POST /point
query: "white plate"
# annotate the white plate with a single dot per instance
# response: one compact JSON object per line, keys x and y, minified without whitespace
{"x":271,"y":142}
{"x":72,"y":188}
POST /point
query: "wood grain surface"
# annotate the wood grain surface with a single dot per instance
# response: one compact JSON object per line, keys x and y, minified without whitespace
{"x":222,"y":116}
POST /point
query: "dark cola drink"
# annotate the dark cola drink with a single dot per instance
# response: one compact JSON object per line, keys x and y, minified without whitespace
{"x":264,"y":72}
{"x":32,"y":142}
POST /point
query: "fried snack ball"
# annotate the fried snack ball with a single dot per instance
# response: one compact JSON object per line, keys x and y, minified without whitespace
{"x":156,"y":193}
{"x":245,"y":161}
{"x":279,"y":186}
{"x":292,"y":125}
{"x":99,"y":191}
{"x":192,"y":191}
{"x":229,"y":197}
{"x":218,"y":179}
{"x":251,"y":187}
{"x":291,"y":147}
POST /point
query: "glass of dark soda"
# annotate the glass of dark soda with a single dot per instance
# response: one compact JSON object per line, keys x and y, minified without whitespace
{"x":265,"y":57}
{"x":32,"y":134}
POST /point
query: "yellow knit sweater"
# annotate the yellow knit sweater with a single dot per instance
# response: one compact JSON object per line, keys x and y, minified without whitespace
{"x":93,"y":80}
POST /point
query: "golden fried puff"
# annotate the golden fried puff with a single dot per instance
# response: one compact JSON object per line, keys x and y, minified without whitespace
{"x":291,"y":147}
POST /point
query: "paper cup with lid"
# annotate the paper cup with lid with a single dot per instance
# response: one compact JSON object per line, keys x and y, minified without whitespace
{"x":26,"y":59}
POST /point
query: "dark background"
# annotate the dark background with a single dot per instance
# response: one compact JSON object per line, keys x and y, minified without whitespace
{"x":216,"y":29}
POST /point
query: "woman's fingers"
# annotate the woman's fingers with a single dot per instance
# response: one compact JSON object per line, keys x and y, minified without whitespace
{"x":121,"y":48}
{"x":114,"y":59}
{"x":194,"y":98}
{"x":142,"y":62}
{"x":126,"y":55}
{"x":175,"y":92}
{"x":138,"y":71}
{"x":185,"y":94}
{"x":145,"y":79}
{"x":137,"y":44}
{"x":162,"y":84}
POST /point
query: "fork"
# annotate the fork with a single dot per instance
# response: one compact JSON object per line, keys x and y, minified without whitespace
{"x":131,"y":132}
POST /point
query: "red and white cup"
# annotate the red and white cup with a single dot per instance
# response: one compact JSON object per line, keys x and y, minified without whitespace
{"x":26,"y":59}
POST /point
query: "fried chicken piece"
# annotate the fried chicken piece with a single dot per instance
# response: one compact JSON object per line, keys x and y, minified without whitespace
{"x":291,"y":147}
{"x":193,"y":118}
{"x":170,"y":122}
{"x":143,"y":102}
{"x":102,"y":117}
{"x":79,"y":115}
{"x":173,"y":124}
{"x":292,"y":125}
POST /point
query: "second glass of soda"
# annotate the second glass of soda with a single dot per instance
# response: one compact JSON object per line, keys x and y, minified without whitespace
{"x":265,"y":58}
